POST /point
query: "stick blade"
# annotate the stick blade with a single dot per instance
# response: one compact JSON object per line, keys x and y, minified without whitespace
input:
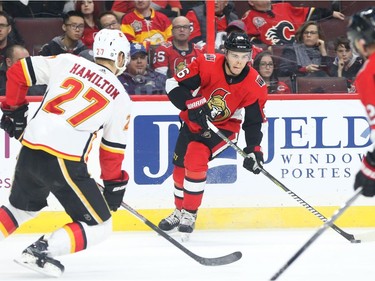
{"x":228,"y":259}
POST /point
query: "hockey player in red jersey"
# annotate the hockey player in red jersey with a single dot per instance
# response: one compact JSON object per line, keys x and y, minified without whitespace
{"x":362,"y":35}
{"x":225,"y":84}
{"x":276,"y":24}
{"x":82,"y":98}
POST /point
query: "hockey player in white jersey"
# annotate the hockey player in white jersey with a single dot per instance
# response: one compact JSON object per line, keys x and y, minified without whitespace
{"x":82,"y":97}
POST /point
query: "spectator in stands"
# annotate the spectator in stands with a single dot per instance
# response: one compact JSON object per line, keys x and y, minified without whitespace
{"x":224,"y":14}
{"x":145,"y":25}
{"x":308,"y":55}
{"x":13,"y":54}
{"x":239,"y":27}
{"x":33,"y":9}
{"x":276,"y":24}
{"x":265,"y":65}
{"x":122,"y":7}
{"x":90,"y":11}
{"x":188,"y":5}
{"x":5,"y":29}
{"x":139,"y":79}
{"x":346,"y":64}
{"x":171,"y":57}
{"x":70,"y":41}
{"x":109,"y":20}
{"x":170,"y":8}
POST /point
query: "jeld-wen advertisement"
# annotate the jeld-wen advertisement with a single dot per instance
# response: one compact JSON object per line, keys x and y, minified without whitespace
{"x":314,"y":147}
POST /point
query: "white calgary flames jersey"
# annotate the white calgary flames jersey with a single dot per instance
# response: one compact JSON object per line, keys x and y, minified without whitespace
{"x":81,"y":98}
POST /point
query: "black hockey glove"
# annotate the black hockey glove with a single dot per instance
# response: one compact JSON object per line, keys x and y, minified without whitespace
{"x":14,"y":121}
{"x":366,"y":176}
{"x":254,"y":160}
{"x":198,"y":111}
{"x":114,"y":192}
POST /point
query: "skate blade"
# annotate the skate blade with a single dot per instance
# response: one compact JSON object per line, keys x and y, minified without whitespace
{"x":49,"y":270}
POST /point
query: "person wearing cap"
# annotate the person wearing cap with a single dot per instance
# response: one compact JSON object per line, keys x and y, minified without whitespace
{"x":219,"y":87}
{"x":361,"y":34}
{"x":139,"y":78}
{"x":171,"y":57}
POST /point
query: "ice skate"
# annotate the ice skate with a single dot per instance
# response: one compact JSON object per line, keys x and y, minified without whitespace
{"x":187,"y":225}
{"x":170,"y":223}
{"x":35,"y":257}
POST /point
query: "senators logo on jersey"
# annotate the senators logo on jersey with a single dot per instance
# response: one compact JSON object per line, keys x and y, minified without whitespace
{"x":218,"y":105}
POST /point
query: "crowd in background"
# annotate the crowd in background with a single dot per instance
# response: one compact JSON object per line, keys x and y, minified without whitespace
{"x":289,"y":41}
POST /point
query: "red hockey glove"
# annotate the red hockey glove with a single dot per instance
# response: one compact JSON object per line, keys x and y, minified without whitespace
{"x":114,"y":191}
{"x":14,"y":121}
{"x":366,"y":176}
{"x":254,"y":160}
{"x":198,"y":111}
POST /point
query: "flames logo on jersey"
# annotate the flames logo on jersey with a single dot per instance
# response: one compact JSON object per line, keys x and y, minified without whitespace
{"x":218,"y":105}
{"x":282,"y":33}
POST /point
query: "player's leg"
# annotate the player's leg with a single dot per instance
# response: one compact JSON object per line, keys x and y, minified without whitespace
{"x":84,"y":203}
{"x":171,"y":222}
{"x":27,"y":198}
{"x":199,"y":152}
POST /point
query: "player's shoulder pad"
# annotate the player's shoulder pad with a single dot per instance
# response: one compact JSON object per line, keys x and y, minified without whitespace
{"x":260,"y":81}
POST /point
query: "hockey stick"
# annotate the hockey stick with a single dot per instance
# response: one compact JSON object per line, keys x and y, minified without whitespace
{"x":230,"y":258}
{"x":327,"y":224}
{"x":347,"y":236}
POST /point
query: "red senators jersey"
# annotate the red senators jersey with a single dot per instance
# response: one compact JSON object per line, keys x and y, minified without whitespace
{"x":365,"y":85}
{"x":156,"y":29}
{"x":226,"y":95}
{"x":81,"y":99}
{"x":169,"y":60}
{"x":279,"y":26}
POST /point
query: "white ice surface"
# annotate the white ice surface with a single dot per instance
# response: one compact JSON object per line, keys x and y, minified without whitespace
{"x":147,"y":256}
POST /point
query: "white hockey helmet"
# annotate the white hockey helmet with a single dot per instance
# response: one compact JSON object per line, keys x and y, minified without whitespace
{"x":108,"y":44}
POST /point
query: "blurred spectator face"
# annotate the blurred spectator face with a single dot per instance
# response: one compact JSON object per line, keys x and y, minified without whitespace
{"x":18,"y":53}
{"x":5,"y":28}
{"x":138,"y":64}
{"x":142,"y":5}
{"x":311,"y":36}
{"x":74,"y":28}
{"x":261,"y":5}
{"x":266,"y":66}
{"x":181,"y":29}
{"x":109,"y":22}
{"x":344,"y":53}
{"x":235,"y":62}
{"x":87,"y":7}
{"x":219,"y":6}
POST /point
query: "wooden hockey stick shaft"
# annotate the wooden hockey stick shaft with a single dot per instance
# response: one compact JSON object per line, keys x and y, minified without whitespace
{"x":320,"y":231}
{"x":347,"y":236}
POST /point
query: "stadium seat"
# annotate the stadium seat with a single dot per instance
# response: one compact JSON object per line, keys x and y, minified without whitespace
{"x":321,"y":85}
{"x":38,"y":31}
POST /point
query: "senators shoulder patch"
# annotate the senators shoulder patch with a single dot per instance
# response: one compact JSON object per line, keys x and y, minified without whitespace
{"x":260,"y":81}
{"x":210,"y":57}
